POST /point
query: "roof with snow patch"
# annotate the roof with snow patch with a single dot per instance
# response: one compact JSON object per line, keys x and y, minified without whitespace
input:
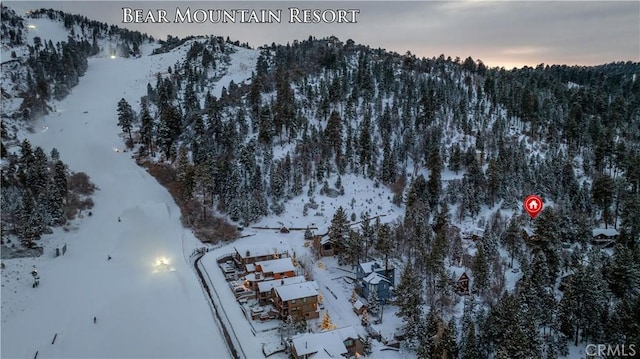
{"x":296,"y":291}
{"x":609,"y":232}
{"x":328,"y":344}
{"x":375,"y":278}
{"x":280,"y":265}
{"x":369,"y":267}
{"x":269,"y":284}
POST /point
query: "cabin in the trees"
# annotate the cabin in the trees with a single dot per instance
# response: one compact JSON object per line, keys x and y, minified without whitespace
{"x":378,"y":283}
{"x":337,"y":343}
{"x":300,"y":300}
{"x":462,"y":286}
{"x":372,"y":276}
{"x":324,"y":246}
{"x":604,"y":237}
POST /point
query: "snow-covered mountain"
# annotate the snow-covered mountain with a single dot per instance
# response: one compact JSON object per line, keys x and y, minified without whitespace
{"x":418,"y":163}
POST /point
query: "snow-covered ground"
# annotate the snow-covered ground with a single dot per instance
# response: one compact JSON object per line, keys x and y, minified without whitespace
{"x":141,"y":310}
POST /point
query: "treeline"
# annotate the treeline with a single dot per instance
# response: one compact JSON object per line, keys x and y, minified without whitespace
{"x":49,"y":71}
{"x":39,"y":192}
{"x":448,"y":136}
{"x":337,"y":108}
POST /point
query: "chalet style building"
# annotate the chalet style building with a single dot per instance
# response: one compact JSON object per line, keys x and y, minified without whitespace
{"x":604,"y":237}
{"x":323,"y":246}
{"x":273,"y":269}
{"x":264,"y":294}
{"x":462,"y":286}
{"x":343,"y":342}
{"x":372,"y":276}
{"x":251,"y":255}
{"x":299,"y":300}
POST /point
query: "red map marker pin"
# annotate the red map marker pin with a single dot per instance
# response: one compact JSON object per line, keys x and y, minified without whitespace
{"x":533,"y":205}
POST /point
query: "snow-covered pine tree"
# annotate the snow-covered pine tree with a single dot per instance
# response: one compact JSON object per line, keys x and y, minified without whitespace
{"x":326,"y":322}
{"x":126,"y":117}
{"x":409,"y":292}
{"x":373,"y":302}
{"x":339,"y":232}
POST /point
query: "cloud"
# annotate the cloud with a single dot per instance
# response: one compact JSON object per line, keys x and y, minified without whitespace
{"x":498,"y":32}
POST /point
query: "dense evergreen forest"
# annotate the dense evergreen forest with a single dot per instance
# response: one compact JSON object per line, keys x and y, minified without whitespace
{"x":456,"y":141}
{"x":459,"y":144}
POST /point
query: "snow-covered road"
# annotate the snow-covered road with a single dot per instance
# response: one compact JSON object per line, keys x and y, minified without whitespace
{"x":141,"y":312}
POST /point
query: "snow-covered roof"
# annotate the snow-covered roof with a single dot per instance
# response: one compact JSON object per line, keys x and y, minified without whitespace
{"x":375,"y":278}
{"x":250,"y":268}
{"x":609,"y":232}
{"x":358,"y":304}
{"x":369,"y":267}
{"x":295,"y":291}
{"x":254,"y":277}
{"x":280,"y":265}
{"x":266,"y":286}
{"x":258,"y":251}
{"x":329,"y":344}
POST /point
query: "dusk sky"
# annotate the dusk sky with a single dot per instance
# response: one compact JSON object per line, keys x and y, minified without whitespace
{"x":500,"y":33}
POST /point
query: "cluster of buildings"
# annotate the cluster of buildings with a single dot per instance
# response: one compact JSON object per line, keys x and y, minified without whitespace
{"x":274,"y":278}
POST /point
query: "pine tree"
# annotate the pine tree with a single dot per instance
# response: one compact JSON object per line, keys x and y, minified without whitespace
{"x":389,"y":171}
{"x":333,"y":135}
{"x":146,"y":128}
{"x":383,"y":243}
{"x":339,"y":231}
{"x":169,"y":129}
{"x":583,"y":303}
{"x":602,"y":192}
{"x":455,"y":160}
{"x":548,"y":234}
{"x":31,"y":224}
{"x":624,"y":274}
{"x":38,"y":174}
{"x":367,"y":233}
{"x":125,"y":117}
{"x":374,"y":302}
{"x":434,"y":185}
{"x":427,"y":340}
{"x":353,"y":247}
{"x":326,"y":322}
{"x":55,"y":155}
{"x":480,"y":270}
{"x":410,"y":301}
{"x":54,"y":205}
{"x":470,"y":349}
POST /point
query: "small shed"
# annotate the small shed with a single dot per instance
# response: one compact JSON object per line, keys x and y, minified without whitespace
{"x":462,"y":286}
{"x":324,"y":246}
{"x":359,"y":307}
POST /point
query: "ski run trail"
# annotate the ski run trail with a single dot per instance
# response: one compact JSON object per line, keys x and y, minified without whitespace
{"x":142,"y":310}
